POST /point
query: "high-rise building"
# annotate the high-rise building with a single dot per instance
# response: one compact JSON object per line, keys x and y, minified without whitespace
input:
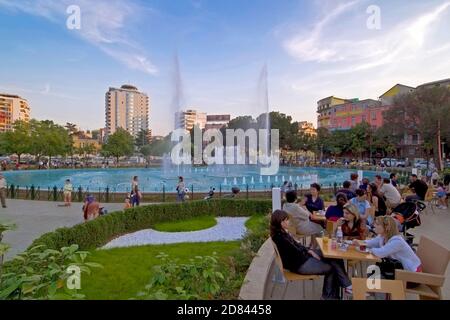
{"x":188,"y":119}
{"x":12,"y":108}
{"x":126,"y":108}
{"x":217,"y":121}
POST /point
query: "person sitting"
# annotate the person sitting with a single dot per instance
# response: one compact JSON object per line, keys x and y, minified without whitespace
{"x":378,"y":181}
{"x":391,"y":194}
{"x":365,"y":184}
{"x":300,"y":216}
{"x":299,"y":259}
{"x":335,"y":212}
{"x":376,"y":200}
{"x":352,"y":226}
{"x":315,"y":202}
{"x":419,"y":186}
{"x":91,"y":208}
{"x":363,"y":206}
{"x":346,"y":190}
{"x":390,"y":244}
{"x":442,"y":196}
{"x":353,"y":182}
{"x":128,"y":204}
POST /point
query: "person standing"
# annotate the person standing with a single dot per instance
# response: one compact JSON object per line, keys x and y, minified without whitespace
{"x":3,"y":186}
{"x":135,"y":193}
{"x":68,"y":188}
{"x":181,"y":190}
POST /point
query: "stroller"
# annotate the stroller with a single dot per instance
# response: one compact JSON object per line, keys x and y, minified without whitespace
{"x":407,"y":215}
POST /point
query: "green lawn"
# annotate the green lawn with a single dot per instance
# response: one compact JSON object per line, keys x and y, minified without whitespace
{"x":127,"y":270}
{"x":194,"y":224}
{"x":254,"y":221}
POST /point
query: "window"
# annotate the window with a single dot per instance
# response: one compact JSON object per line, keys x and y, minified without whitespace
{"x":374,"y":115}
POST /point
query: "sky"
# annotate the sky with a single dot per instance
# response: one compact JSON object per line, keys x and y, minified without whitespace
{"x":311,"y":49}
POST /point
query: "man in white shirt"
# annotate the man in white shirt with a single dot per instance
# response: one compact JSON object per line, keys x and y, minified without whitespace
{"x":3,"y":190}
{"x":393,"y":197}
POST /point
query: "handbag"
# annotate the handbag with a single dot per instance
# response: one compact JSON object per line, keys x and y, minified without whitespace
{"x":387,"y":267}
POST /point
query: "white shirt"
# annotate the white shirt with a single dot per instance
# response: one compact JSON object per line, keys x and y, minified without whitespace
{"x":391,"y":193}
{"x":395,"y":248}
{"x":2,"y":183}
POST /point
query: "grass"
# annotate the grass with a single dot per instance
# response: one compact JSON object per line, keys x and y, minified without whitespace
{"x":126,"y":271}
{"x":194,"y":224}
{"x":254,"y":221}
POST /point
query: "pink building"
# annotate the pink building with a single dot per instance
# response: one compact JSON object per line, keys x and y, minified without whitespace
{"x":348,"y":115}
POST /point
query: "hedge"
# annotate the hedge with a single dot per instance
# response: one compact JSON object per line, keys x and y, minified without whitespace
{"x":96,"y":233}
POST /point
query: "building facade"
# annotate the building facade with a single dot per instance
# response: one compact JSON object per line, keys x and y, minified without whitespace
{"x":218,"y":121}
{"x":188,"y":119}
{"x":307,"y":128}
{"x":324,"y":108}
{"x":126,"y":108}
{"x":12,"y":108}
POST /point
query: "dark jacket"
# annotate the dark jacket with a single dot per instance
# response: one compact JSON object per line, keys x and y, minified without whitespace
{"x":314,"y":205}
{"x":292,"y":254}
{"x":420,"y":188}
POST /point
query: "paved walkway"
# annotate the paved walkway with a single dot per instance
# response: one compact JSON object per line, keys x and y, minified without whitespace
{"x":34,"y":218}
{"x":226,"y":229}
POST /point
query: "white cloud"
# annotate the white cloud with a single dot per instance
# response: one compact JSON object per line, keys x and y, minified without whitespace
{"x":104,"y":24}
{"x":323,"y":45}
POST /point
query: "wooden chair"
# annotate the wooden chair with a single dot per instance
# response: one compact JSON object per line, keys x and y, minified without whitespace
{"x":434,"y":260}
{"x":393,"y":287}
{"x":291,"y":276}
{"x":302,"y":238}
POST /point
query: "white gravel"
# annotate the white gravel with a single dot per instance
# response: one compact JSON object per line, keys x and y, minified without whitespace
{"x":226,"y":229}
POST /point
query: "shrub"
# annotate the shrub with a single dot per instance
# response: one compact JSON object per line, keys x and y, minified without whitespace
{"x":198,"y":279}
{"x":41,"y":273}
{"x":96,"y":233}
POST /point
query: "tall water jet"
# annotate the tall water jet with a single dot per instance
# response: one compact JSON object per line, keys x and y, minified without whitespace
{"x":283,"y":179}
{"x":235,"y":181}
{"x":260,"y":179}
{"x":263,"y":103}
{"x":225,"y":182}
{"x":253,"y":180}
{"x":290,"y":178}
{"x":276,"y":178}
{"x":244,"y":180}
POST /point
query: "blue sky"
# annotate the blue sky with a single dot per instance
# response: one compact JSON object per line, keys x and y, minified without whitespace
{"x":312,"y":49}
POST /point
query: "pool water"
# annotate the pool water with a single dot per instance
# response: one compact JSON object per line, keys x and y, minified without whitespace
{"x":200,"y":178}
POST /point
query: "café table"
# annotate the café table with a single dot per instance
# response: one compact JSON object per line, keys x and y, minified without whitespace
{"x":350,"y":254}
{"x":316,"y":216}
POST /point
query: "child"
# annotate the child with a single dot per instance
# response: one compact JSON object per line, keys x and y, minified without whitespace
{"x":127,"y":203}
{"x":68,"y":188}
{"x":442,"y":196}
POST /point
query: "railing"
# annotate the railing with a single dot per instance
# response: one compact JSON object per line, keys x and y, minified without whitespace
{"x":163,"y":194}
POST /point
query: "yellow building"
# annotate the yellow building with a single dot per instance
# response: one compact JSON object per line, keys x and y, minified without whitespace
{"x":324,"y":110}
{"x":307,"y":128}
{"x":388,"y":97}
{"x":81,"y":140}
{"x":12,"y":108}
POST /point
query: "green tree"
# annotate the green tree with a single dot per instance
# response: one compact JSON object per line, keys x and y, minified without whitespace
{"x":142,"y":138}
{"x":17,"y":141}
{"x":49,"y":139}
{"x":119,"y":144}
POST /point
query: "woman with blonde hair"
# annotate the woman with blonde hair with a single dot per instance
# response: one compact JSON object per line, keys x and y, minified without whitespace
{"x":352,"y":226}
{"x":390,"y":244}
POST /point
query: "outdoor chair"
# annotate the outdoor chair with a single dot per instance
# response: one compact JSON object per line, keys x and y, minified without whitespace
{"x":291,"y":276}
{"x":302,"y":238}
{"x":394,"y":288}
{"x":427,"y":284}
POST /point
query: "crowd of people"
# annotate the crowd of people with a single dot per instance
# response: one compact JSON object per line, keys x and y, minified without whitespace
{"x":365,"y":213}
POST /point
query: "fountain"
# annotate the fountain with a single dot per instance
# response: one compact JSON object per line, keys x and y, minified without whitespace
{"x":290,"y":178}
{"x":244,"y":180}
{"x":268,"y":179}
{"x":234,"y":181}
{"x":225,"y":182}
{"x":276,"y":178}
{"x":253,"y":180}
{"x":283,"y":179}
{"x":260,"y":179}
